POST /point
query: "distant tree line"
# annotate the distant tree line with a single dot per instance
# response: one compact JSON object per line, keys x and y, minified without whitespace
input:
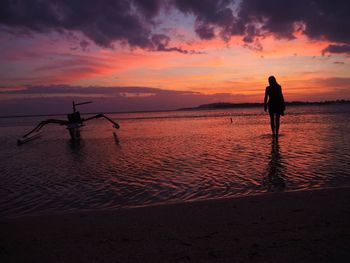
{"x":226,"y":105}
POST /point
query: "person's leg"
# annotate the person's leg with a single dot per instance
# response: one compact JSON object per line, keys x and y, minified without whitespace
{"x":277,"y":123}
{"x":272,"y":122}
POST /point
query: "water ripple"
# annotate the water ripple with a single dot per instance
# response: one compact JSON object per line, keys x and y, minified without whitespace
{"x":178,"y":158}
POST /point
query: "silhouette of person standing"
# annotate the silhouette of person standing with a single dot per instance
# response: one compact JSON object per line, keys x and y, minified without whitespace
{"x":274,"y":101}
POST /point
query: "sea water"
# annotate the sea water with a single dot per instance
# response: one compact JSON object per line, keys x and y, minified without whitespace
{"x":167,"y":157}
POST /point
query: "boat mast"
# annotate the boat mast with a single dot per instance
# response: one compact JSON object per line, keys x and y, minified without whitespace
{"x":81,"y":103}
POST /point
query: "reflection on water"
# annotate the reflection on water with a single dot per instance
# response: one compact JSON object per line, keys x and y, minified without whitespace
{"x":275,"y":170}
{"x":76,"y":149}
{"x":172,"y":157}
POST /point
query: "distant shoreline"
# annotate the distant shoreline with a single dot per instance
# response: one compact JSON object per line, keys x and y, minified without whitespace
{"x":211,"y":106}
{"x":228,"y":105}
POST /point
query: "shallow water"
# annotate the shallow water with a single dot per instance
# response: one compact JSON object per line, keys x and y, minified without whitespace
{"x":170,"y":157}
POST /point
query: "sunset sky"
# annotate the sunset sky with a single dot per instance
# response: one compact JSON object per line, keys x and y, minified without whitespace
{"x":154,"y":54}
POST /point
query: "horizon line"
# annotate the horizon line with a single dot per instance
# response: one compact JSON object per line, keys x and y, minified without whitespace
{"x":199,"y":107}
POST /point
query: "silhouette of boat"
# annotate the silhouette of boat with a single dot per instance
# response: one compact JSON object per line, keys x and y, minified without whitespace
{"x":74,"y":123}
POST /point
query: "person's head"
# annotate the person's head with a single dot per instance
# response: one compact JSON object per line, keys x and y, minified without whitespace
{"x":272,"y":81}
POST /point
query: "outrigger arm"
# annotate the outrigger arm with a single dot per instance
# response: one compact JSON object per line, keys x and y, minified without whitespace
{"x":115,"y":125}
{"x":73,"y":124}
{"x":43,"y":123}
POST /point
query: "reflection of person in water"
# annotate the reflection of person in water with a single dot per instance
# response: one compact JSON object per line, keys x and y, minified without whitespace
{"x":274,"y":178}
{"x":274,"y":101}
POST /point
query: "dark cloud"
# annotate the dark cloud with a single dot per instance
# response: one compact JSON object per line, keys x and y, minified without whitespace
{"x":209,"y":15}
{"x":254,"y":19}
{"x":318,"y":19}
{"x":102,"y":21}
{"x":250,"y":34}
{"x":277,"y":17}
{"x":338,"y":49}
{"x":47,"y":99}
{"x":149,"y":8}
{"x":134,"y":21}
{"x":161,"y":43}
{"x":91,"y":90}
{"x":204,"y":30}
{"x":84,"y":44}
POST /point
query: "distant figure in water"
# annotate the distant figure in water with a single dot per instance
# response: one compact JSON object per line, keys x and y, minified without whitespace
{"x":274,"y":101}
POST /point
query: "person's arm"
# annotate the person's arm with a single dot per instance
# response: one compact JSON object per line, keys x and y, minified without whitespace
{"x":282,"y":100}
{"x":265,"y":99}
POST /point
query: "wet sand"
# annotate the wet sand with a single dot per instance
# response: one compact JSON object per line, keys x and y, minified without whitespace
{"x":308,"y":226}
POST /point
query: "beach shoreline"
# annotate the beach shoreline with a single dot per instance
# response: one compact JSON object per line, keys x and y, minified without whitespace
{"x":303,"y":226}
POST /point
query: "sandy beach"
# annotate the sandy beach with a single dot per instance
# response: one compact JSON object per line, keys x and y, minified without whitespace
{"x":307,"y":226}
